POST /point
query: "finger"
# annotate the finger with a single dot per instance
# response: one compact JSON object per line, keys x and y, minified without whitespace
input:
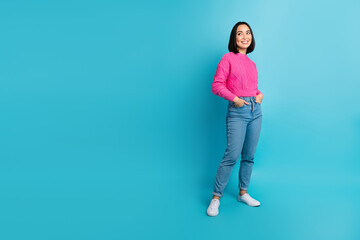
{"x":246,"y":103}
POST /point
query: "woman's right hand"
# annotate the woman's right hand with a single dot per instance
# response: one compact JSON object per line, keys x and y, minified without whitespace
{"x":240,"y":102}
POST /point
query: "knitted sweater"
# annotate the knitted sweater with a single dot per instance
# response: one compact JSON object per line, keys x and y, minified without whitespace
{"x":236,"y":75}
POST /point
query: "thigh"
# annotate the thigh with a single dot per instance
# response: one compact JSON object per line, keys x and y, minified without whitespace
{"x":252,"y":137}
{"x":236,"y":130}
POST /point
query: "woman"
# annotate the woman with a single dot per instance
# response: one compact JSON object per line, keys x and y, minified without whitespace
{"x":236,"y":81}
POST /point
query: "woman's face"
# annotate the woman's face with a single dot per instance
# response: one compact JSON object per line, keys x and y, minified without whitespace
{"x":243,"y":37}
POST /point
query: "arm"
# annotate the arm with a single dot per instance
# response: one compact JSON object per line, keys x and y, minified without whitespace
{"x":219,"y":84}
{"x":257,"y":90}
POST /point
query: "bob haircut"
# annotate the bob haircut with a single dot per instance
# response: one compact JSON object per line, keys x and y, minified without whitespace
{"x":232,"y":42}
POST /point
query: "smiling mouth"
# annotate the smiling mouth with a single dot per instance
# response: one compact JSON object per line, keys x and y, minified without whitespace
{"x":245,"y":42}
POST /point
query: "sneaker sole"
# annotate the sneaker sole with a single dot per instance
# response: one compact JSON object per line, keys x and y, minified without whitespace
{"x":248,"y":204}
{"x":212,"y":215}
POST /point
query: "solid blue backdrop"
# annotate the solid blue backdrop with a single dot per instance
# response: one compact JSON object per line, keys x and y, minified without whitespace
{"x":109,"y":128}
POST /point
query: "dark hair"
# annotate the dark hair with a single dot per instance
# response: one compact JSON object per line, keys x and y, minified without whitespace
{"x":232,"y":42}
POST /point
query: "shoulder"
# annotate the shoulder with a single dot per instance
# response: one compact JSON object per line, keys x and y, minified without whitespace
{"x":227,"y":57}
{"x":252,"y":62}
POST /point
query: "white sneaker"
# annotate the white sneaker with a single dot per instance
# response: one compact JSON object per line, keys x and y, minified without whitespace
{"x":245,"y":198}
{"x":213,"y":209}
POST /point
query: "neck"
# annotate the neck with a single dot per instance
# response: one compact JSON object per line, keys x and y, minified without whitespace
{"x":242,"y":51}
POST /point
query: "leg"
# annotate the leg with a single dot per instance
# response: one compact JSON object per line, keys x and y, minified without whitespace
{"x":236,"y":130}
{"x":248,"y":153}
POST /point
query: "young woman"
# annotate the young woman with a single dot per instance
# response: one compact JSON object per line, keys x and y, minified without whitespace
{"x":236,"y":81}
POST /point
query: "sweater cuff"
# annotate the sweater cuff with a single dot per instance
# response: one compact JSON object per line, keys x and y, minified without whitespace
{"x":230,"y":97}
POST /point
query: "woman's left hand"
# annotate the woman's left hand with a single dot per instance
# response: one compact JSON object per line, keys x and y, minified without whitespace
{"x":259,"y":98}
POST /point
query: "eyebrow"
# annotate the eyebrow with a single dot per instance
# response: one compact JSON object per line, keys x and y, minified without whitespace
{"x":246,"y":31}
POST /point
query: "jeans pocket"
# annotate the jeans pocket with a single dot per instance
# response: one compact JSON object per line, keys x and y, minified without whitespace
{"x":239,"y":107}
{"x":232,"y":105}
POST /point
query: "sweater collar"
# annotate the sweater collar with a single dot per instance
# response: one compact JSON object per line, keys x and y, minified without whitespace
{"x":240,"y":54}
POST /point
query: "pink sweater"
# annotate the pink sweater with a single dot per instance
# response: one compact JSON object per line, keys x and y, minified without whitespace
{"x":236,"y":75}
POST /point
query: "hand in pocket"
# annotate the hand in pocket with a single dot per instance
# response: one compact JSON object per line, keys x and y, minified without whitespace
{"x":238,"y":102}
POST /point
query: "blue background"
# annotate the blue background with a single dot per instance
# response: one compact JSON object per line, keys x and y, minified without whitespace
{"x":109,"y":128}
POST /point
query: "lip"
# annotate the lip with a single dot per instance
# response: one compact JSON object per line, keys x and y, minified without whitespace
{"x":244,"y":41}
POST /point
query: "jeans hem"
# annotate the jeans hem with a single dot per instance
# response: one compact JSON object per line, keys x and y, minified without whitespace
{"x":217,"y":194}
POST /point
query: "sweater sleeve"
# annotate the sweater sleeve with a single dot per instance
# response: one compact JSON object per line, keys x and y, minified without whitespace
{"x":219,"y":84}
{"x":257,"y":90}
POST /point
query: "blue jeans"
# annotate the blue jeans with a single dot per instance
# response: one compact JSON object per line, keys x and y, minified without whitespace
{"x":243,"y":125}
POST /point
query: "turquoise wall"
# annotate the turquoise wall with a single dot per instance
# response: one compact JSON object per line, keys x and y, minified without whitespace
{"x":109,"y":128}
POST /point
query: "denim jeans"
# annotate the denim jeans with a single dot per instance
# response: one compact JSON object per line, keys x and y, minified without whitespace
{"x":243,"y":125}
